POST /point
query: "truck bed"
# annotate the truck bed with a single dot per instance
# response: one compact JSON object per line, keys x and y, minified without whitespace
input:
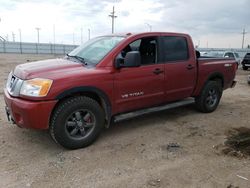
{"x":213,"y":66}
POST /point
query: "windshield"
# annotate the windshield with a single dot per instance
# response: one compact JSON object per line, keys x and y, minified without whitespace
{"x":95,"y":49}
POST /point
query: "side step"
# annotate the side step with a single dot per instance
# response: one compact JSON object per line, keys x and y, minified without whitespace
{"x":130,"y":115}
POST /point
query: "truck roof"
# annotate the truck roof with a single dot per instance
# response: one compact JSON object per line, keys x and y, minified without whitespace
{"x":146,"y":33}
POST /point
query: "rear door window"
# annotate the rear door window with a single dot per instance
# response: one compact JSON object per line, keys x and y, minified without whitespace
{"x":175,"y":48}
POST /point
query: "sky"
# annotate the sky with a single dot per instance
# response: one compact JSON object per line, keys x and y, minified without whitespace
{"x":213,"y":24}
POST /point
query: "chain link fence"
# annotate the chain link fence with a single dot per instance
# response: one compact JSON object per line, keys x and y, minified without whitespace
{"x":240,"y":51}
{"x":35,"y":48}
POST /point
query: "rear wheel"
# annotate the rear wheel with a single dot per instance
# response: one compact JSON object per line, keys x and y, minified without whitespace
{"x":209,"y":97}
{"x":77,"y":122}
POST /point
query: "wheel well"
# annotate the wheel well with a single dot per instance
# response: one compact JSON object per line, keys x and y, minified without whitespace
{"x":101,"y":101}
{"x":218,"y":78}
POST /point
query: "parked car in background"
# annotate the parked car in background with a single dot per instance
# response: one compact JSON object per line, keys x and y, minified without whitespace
{"x":234,"y":55}
{"x":226,"y":54}
{"x":246,"y":61}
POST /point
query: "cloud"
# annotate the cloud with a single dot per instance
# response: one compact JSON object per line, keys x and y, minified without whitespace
{"x":205,"y":20}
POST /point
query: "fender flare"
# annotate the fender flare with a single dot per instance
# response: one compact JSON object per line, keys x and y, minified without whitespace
{"x":101,"y":94}
{"x":216,"y":75}
{"x":208,"y":78}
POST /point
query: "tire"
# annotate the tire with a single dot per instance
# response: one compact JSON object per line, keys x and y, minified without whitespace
{"x":76,"y":122}
{"x":209,"y":97}
{"x":244,"y":68}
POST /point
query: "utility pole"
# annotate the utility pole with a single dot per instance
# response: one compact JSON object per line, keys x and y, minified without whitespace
{"x":54,"y":38}
{"x":38,"y":29}
{"x":20,"y":38}
{"x":20,"y":35}
{"x":13,"y":36}
{"x":81,"y":36}
{"x":89,"y":33}
{"x":149,"y":26}
{"x":243,"y":37}
{"x":112,"y":15}
{"x":1,"y":38}
{"x":54,"y":34}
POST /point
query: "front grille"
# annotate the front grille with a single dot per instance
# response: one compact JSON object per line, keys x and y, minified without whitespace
{"x":14,"y":85}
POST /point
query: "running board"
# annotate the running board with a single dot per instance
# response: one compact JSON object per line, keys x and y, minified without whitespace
{"x":130,"y":115}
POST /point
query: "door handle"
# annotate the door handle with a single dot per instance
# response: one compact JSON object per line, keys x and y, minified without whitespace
{"x":158,"y":71}
{"x":189,"y":67}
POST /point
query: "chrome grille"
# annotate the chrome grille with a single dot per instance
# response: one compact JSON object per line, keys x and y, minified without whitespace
{"x":14,"y":85}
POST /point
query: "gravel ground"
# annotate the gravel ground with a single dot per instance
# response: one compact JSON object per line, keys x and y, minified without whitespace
{"x":174,"y":148}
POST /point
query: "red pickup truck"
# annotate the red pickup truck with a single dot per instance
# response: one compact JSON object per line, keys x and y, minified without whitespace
{"x":111,"y":78}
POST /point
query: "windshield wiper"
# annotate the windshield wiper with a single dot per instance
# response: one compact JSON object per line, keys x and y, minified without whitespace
{"x":78,"y":58}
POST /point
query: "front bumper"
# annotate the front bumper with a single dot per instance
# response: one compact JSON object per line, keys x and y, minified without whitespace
{"x":246,"y":64}
{"x":28,"y":114}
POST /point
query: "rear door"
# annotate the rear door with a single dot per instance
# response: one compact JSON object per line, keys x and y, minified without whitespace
{"x":140,"y":87}
{"x":180,"y":67}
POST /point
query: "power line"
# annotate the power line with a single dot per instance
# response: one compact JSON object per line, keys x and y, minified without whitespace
{"x":112,"y":15}
{"x":243,"y":37}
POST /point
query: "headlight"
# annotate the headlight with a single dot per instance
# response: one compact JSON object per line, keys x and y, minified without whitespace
{"x":37,"y":87}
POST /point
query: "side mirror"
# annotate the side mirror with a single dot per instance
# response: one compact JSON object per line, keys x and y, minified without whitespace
{"x":198,"y":54}
{"x":132,"y":59}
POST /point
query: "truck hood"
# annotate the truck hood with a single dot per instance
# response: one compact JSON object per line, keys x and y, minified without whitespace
{"x":52,"y":68}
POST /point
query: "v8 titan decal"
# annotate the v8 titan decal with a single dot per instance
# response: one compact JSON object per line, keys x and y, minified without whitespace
{"x":127,"y":95}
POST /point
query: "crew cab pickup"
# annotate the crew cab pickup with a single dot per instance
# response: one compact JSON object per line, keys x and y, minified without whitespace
{"x":112,"y":78}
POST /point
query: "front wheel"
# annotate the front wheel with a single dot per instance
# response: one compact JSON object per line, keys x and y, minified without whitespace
{"x":209,"y":97}
{"x":77,"y":122}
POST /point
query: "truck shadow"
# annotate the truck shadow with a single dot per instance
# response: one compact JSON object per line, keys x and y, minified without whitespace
{"x":37,"y":139}
{"x":146,"y":120}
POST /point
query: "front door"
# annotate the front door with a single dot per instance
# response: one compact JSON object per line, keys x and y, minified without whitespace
{"x":140,"y":87}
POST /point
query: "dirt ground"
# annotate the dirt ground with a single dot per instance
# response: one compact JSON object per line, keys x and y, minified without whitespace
{"x":173,"y":148}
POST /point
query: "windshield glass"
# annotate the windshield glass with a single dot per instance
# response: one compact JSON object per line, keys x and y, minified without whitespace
{"x":95,"y":49}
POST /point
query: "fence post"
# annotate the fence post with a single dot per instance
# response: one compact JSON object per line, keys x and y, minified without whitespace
{"x":21,"y":50}
{"x":4,"y":47}
{"x":50,"y":45}
{"x":36,"y":48}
